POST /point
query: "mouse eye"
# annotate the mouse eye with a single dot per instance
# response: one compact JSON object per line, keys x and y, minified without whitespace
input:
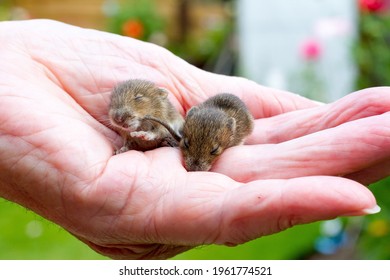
{"x":138,"y":97}
{"x":215,"y":151}
{"x":186,"y":144}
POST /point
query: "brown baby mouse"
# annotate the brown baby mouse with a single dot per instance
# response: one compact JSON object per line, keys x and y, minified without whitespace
{"x":220,"y":122}
{"x":131,"y":102}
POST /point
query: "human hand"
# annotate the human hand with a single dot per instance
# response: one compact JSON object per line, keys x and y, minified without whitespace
{"x":348,"y":138}
{"x":56,"y":152}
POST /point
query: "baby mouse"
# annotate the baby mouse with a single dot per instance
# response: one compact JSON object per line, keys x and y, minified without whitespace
{"x":131,"y":101}
{"x":220,"y":122}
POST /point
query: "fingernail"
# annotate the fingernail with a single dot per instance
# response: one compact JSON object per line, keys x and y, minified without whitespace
{"x":367,"y":211}
{"x":373,"y":210}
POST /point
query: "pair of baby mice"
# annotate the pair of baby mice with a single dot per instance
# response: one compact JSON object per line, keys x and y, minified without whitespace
{"x":141,"y":112}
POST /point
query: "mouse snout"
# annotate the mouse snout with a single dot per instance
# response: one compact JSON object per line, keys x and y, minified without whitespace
{"x":118,"y":118}
{"x":121,"y":121}
{"x":124,"y":120}
{"x":197,"y":165}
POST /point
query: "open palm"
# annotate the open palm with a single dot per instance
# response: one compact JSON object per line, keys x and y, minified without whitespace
{"x":56,"y":151}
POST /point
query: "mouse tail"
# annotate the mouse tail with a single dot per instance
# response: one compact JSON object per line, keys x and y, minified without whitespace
{"x":176,"y":135}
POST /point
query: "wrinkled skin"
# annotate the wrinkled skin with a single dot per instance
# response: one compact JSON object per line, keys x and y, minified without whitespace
{"x":56,"y":151}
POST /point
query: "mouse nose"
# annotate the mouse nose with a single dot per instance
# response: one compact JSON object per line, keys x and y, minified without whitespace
{"x":196,"y":165}
{"x":118,"y":118}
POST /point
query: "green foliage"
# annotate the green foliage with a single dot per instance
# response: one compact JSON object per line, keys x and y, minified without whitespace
{"x":141,"y":11}
{"x":197,"y":49}
{"x":5,"y":10}
{"x":201,"y":50}
{"x":372,"y":50}
{"x":374,"y":242}
{"x":373,"y":62}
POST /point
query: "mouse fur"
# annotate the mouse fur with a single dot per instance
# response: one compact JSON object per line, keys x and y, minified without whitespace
{"x":220,"y":122}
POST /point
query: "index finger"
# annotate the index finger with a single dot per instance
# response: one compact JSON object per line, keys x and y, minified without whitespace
{"x":358,"y":105}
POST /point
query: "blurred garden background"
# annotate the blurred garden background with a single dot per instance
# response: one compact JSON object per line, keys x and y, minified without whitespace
{"x":319,"y":49}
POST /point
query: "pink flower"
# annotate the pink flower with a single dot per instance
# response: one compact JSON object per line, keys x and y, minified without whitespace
{"x":310,"y":49}
{"x":373,"y":5}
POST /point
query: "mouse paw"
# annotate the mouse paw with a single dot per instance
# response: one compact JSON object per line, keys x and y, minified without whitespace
{"x":144,"y":135}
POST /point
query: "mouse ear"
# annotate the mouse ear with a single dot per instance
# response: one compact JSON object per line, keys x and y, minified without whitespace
{"x":163,"y":92}
{"x":231,"y":124}
{"x":191,"y":111}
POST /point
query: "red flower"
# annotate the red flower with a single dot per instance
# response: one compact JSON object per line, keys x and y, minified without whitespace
{"x":311,"y":49}
{"x":372,"y":5}
{"x":133,"y":28}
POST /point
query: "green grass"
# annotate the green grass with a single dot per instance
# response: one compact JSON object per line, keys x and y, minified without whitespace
{"x":25,"y":235}
{"x":294,"y":243}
